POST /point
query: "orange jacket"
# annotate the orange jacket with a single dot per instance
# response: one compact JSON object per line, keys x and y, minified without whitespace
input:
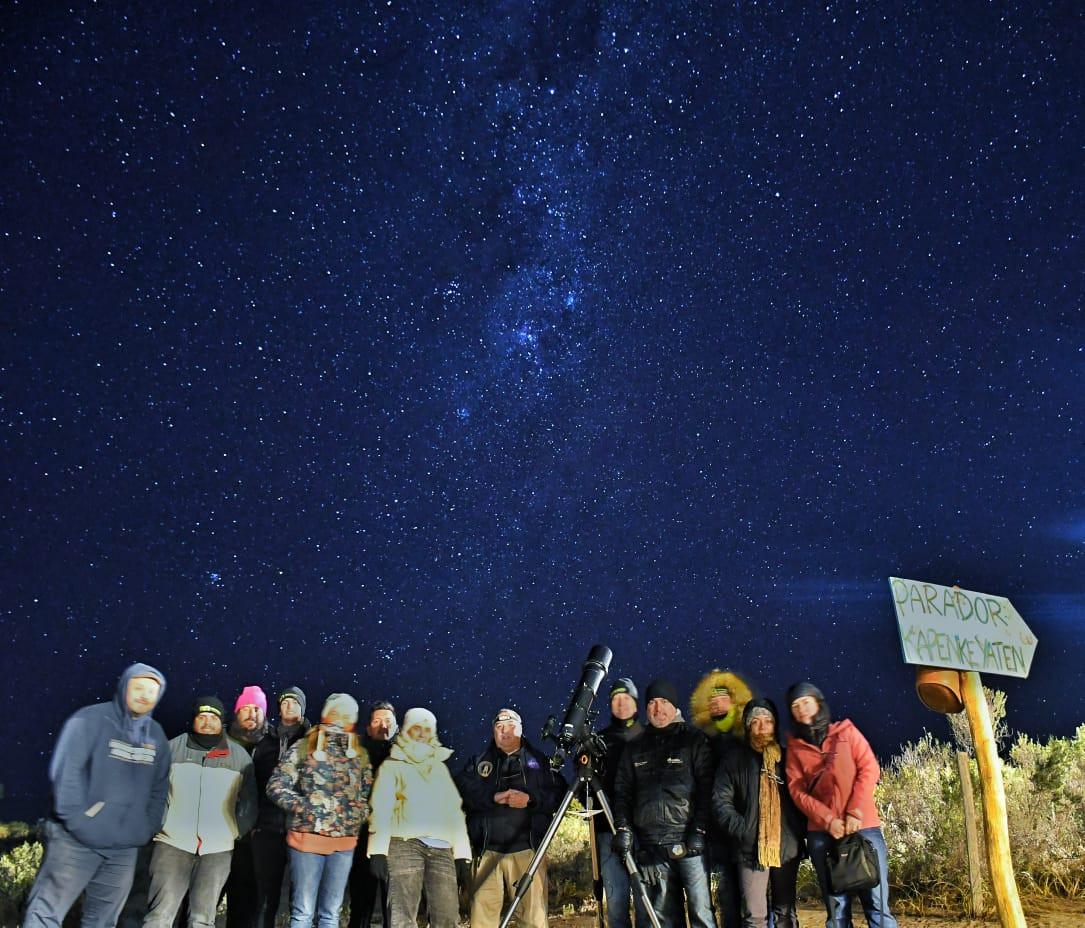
{"x":835,"y":779}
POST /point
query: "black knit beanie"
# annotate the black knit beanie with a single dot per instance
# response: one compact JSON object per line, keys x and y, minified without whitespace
{"x":798,"y":690}
{"x":214,"y":706}
{"x":662,"y":689}
{"x":815,"y":732}
{"x":211,"y":704}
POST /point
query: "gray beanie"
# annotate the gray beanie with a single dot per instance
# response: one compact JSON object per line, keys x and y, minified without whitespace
{"x":294,"y":692}
{"x":625,"y":685}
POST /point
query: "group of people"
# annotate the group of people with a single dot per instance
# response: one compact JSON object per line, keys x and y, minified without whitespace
{"x":368,"y":806}
{"x":723,"y":793}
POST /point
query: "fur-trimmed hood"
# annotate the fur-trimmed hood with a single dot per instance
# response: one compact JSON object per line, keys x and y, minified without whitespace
{"x":698,"y":704}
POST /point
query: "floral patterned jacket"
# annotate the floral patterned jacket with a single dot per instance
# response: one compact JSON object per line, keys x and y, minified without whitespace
{"x":323,"y":783}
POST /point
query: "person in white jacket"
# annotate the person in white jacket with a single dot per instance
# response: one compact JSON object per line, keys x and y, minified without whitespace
{"x":417,"y":832}
{"x":212,"y":802}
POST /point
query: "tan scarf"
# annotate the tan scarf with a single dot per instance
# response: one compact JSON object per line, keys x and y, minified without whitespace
{"x":768,"y":804}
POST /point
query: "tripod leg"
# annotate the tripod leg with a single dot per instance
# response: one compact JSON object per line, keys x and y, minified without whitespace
{"x":593,"y":850}
{"x":635,"y":881}
{"x":524,"y":883}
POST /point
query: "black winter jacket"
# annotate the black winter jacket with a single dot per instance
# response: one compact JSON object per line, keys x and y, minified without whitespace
{"x":735,"y":806}
{"x":724,"y":745}
{"x":266,"y":755}
{"x":477,"y":783}
{"x":664,"y":785}
{"x":615,"y":736}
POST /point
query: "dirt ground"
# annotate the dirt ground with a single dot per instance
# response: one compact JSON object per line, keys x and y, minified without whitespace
{"x":1058,"y":913}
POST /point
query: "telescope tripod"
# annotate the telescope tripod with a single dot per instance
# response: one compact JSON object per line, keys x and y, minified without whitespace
{"x":586,"y":779}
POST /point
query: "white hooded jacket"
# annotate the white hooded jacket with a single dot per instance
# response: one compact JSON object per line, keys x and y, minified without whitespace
{"x":414,"y":797}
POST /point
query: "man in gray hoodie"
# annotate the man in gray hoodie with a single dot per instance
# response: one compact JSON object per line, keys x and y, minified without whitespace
{"x":110,"y":776}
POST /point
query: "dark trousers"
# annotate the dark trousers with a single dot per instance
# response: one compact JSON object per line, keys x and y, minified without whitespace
{"x":775,"y":887}
{"x":364,"y":888}
{"x":241,"y":904}
{"x":269,"y":865}
{"x":69,"y":869}
{"x":728,"y":890}
{"x":175,"y":873}
{"x":414,"y":866}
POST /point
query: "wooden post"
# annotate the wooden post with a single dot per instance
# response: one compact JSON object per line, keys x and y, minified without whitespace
{"x":971,"y":837}
{"x":1000,"y":863}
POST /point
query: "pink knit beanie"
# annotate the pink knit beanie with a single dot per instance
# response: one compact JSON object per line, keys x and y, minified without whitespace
{"x":251,"y":696}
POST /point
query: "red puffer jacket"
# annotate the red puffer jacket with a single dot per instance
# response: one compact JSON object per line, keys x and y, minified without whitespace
{"x":835,"y":779}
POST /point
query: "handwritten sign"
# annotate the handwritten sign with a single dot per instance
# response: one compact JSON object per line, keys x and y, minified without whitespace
{"x":943,"y":626}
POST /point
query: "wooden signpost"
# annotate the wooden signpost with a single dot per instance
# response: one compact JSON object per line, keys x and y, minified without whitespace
{"x":950,"y":628}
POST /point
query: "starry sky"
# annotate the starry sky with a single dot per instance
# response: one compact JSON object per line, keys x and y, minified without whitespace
{"x":412,"y":349}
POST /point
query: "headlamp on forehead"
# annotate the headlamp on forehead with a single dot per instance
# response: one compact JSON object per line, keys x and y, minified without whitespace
{"x":213,"y":710}
{"x":507,"y":715}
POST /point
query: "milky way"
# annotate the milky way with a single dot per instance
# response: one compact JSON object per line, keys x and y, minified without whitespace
{"x":411,"y":350}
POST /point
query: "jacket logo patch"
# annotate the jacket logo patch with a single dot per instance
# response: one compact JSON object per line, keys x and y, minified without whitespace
{"x":484,"y":768}
{"x":677,"y":761}
{"x":532,"y":764}
{"x":132,"y":753}
{"x":640,"y":763}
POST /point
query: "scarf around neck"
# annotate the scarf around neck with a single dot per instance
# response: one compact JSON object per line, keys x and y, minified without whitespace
{"x":769,"y":821}
{"x":424,"y":755}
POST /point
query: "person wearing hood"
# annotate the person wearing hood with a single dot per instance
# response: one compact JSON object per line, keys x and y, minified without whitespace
{"x":268,"y":838}
{"x":751,"y":802}
{"x":363,"y":886}
{"x":716,"y":708}
{"x":110,"y":777}
{"x":212,"y":801}
{"x":323,"y":785}
{"x":510,"y":794}
{"x":831,"y":774}
{"x":662,"y":799}
{"x":417,"y":831}
{"x":248,"y":728}
{"x":624,"y":727}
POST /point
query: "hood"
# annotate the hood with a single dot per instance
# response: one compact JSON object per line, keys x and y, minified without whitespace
{"x":135,"y":729}
{"x":759,"y":702}
{"x":698,"y":704}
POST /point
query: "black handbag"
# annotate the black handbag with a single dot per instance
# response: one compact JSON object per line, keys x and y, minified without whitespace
{"x":853,"y":865}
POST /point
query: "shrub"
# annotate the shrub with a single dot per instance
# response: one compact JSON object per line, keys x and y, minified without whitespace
{"x":16,"y":831}
{"x":568,"y":864}
{"x":18,"y":867}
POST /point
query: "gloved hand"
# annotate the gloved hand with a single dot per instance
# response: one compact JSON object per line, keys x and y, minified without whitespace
{"x":622,"y":843}
{"x":463,"y":872}
{"x":378,"y":866}
{"x":649,"y":874}
{"x":695,"y":844}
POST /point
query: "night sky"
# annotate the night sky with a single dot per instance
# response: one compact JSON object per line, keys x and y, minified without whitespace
{"x":411,"y":349}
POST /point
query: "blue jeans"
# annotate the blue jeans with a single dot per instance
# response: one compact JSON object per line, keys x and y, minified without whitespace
{"x":317,"y":884}
{"x":875,"y":901}
{"x":70,"y":867}
{"x":688,"y":875}
{"x":617,"y":886}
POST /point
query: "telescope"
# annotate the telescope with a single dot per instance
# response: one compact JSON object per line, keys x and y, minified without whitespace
{"x":575,"y":736}
{"x":575,"y":727}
